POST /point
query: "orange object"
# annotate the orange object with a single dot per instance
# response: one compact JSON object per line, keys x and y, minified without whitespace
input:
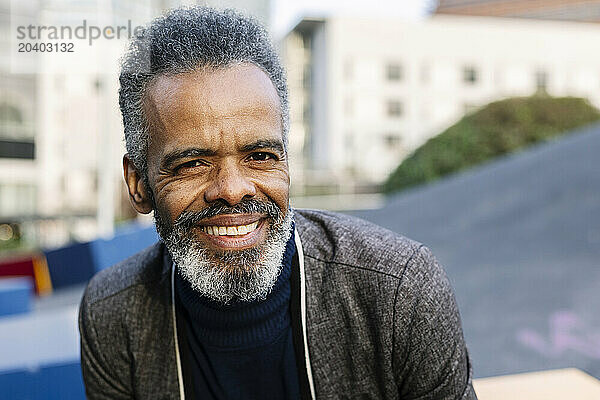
{"x":43,"y":284}
{"x":34,"y":266}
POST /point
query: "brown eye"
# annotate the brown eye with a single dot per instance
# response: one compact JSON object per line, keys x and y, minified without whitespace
{"x":190,"y":164}
{"x":262,"y":156}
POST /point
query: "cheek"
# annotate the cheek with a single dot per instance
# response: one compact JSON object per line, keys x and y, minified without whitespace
{"x":177,"y":197}
{"x":277,"y":189}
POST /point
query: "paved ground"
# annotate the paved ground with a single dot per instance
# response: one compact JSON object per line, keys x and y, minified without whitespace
{"x":520,"y":240}
{"x":63,"y":297}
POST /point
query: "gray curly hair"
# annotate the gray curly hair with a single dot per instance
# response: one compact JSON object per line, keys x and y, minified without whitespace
{"x":183,"y":40}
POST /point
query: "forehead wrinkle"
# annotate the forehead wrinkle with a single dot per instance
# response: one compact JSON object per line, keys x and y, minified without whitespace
{"x":255,"y":112}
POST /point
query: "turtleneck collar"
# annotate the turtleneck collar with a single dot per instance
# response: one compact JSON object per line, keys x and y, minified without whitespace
{"x":241,"y":324}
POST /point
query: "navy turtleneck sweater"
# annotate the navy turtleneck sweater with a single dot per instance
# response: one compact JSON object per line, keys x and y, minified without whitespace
{"x":242,"y":350}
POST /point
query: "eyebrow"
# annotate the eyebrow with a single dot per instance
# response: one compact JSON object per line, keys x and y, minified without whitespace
{"x":175,"y":155}
{"x":263,"y":144}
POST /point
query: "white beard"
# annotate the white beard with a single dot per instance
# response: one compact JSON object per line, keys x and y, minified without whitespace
{"x":244,"y":275}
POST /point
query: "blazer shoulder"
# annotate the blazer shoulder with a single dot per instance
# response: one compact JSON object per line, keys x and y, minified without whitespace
{"x":345,"y":239}
{"x":145,"y":266}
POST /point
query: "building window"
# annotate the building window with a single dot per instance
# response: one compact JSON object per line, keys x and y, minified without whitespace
{"x":306,"y":112}
{"x":394,"y":108}
{"x":97,"y":84}
{"x":15,"y":138}
{"x":469,"y":75}
{"x":392,"y":140}
{"x":17,"y":149}
{"x":306,"y":76}
{"x":541,"y":80}
{"x":306,"y":41}
{"x":393,"y":72}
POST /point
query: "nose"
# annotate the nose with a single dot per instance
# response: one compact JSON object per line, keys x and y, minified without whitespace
{"x":229,"y":185}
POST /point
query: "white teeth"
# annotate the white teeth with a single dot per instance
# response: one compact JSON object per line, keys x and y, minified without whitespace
{"x":230,"y":230}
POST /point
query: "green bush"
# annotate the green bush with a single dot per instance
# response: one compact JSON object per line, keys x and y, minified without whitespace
{"x":499,"y":128}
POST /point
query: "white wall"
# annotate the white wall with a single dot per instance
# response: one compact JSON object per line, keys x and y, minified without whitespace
{"x":505,"y":53}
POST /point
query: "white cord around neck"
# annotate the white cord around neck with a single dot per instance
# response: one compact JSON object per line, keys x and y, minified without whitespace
{"x":177,"y":355}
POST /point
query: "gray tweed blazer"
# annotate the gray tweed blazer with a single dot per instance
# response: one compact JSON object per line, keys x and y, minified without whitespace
{"x":381,"y":321}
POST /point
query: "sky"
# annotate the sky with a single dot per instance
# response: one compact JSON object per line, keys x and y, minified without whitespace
{"x":285,"y":13}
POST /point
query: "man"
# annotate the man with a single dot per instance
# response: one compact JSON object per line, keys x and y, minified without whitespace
{"x":245,"y":298}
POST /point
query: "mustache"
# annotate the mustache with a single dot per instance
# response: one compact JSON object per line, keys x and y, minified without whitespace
{"x":189,"y":219}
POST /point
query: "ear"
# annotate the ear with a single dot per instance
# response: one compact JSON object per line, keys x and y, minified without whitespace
{"x":138,"y":194}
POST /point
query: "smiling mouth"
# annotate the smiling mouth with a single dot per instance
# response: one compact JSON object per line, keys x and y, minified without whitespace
{"x":236,"y":230}
{"x":229,"y":233}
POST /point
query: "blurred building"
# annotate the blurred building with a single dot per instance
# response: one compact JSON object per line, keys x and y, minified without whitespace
{"x":259,"y":9}
{"x":367,"y":92}
{"x":60,"y":127}
{"x":561,"y":10}
{"x":59,"y":124}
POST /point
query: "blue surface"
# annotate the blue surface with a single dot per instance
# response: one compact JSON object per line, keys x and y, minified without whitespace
{"x":125,"y":243}
{"x":70,"y":265}
{"x":77,"y":263}
{"x":52,"y":382}
{"x":15,"y":295}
